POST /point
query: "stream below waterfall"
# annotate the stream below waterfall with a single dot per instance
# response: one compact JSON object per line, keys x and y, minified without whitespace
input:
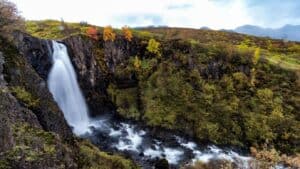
{"x":115,"y":135}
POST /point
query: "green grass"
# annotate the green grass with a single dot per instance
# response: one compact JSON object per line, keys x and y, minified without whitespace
{"x":51,"y":29}
{"x":289,"y":62}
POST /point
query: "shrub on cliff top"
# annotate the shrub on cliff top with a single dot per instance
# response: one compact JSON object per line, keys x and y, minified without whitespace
{"x":127,"y":33}
{"x":9,"y":18}
{"x":108,"y":34}
{"x":92,"y":32}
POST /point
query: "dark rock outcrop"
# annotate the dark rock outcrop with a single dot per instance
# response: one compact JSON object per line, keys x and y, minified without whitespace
{"x":23,"y":142}
{"x":19,"y":73}
{"x":96,"y":63}
{"x":92,"y":77}
{"x":38,"y":52}
{"x":162,"y":164}
{"x":116,"y":56}
{"x":36,"y":135}
{"x":6,"y":139}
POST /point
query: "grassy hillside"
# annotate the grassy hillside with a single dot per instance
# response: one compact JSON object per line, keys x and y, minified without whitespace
{"x":278,"y":52}
{"x":222,"y":87}
{"x":219,"y":87}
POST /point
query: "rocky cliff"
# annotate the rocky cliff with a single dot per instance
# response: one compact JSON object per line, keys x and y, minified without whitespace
{"x":34,"y":133}
{"x":95,"y":64}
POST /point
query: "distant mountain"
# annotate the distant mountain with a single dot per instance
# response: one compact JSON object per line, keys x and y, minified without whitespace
{"x":205,"y":28}
{"x":288,"y":32}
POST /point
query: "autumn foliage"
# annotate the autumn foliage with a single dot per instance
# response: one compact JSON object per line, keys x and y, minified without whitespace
{"x":137,"y":63}
{"x":108,"y":34}
{"x":92,"y":32}
{"x":9,"y":18}
{"x":127,"y":33}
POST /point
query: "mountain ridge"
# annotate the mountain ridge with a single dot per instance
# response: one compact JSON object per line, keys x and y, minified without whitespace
{"x":287,"y":32}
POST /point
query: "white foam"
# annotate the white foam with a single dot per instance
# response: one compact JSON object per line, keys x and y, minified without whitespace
{"x":114,"y":133}
{"x":202,"y":157}
{"x":153,"y":153}
{"x":132,"y":140}
{"x":214,"y":152}
{"x":173,"y":155}
{"x":189,"y":145}
{"x":214,"y":149}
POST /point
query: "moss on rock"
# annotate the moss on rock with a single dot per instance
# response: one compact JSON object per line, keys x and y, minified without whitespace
{"x":25,"y":97}
{"x":92,"y":158}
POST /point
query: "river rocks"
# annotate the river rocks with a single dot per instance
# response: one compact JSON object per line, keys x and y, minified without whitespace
{"x":162,"y":164}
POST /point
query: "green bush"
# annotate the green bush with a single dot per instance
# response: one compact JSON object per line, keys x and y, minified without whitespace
{"x":154,"y":47}
{"x":92,"y":158}
{"x":126,"y":100}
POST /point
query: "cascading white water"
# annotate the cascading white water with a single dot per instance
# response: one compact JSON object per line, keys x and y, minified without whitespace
{"x":63,"y":85}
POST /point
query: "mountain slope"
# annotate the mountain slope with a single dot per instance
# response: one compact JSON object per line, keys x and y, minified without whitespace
{"x":288,"y":32}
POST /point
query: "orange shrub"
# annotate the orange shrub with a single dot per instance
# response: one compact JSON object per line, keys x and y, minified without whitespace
{"x":92,"y":32}
{"x":108,"y":34}
{"x":127,"y":33}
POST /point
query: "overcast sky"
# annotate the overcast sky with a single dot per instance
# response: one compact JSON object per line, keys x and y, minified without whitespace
{"x":216,"y":14}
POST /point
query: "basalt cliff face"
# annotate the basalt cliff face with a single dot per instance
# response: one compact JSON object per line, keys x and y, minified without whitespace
{"x":34,"y":133}
{"x":95,"y":64}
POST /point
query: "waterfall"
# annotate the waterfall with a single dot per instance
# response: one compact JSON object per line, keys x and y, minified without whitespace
{"x":62,"y":83}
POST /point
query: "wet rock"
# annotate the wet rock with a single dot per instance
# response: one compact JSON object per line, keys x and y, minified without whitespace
{"x":2,"y":81}
{"x":38,"y":136}
{"x":162,"y":164}
{"x":46,"y":110}
{"x":93,"y":79}
{"x":6,"y":139}
{"x":23,"y":143}
{"x":96,"y":64}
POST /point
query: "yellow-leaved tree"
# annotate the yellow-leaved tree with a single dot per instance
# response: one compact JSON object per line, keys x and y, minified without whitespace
{"x":127,"y":33}
{"x":154,"y":47}
{"x":137,"y":63}
{"x":108,"y":34}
